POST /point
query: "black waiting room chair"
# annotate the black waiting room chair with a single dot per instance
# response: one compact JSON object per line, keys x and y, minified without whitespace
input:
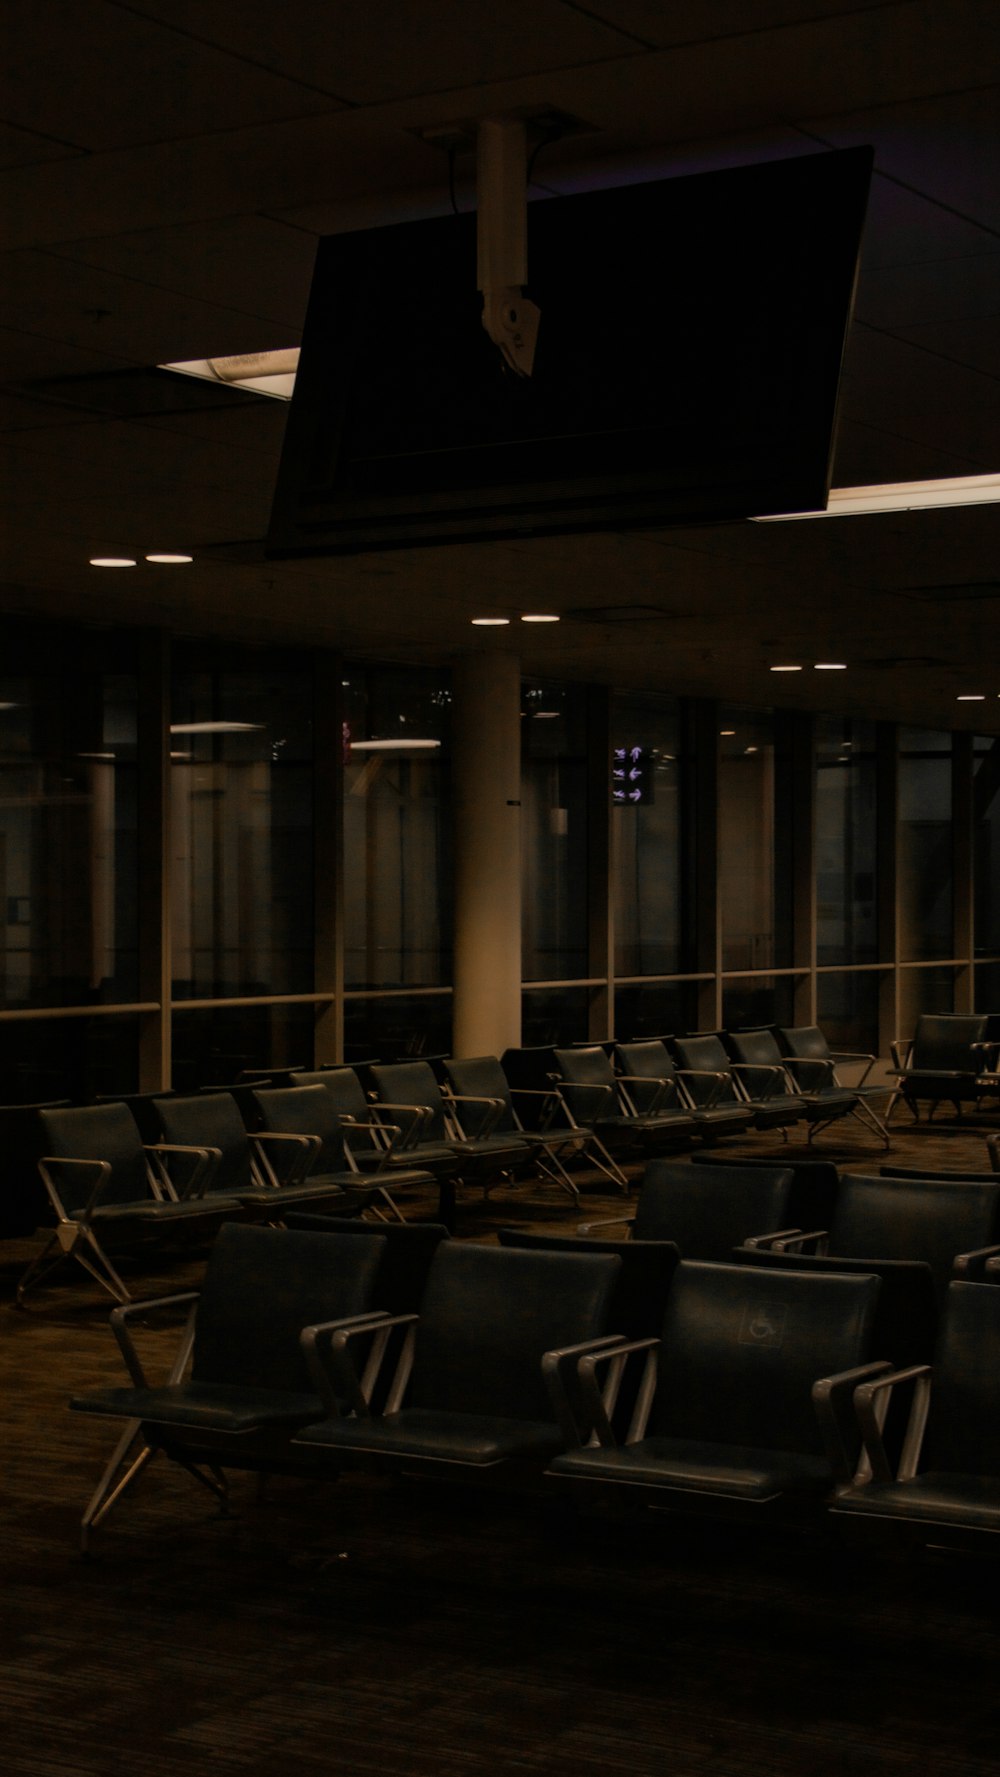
{"x":713,"y":1077}
{"x":596,"y":1098}
{"x":310,"y":1111}
{"x":408,"y":1092}
{"x":111,"y":1195}
{"x":705,"y":1210}
{"x":945,"y":1059}
{"x":745,"y":1400}
{"x":821,"y":1102}
{"x":467,"y":1395}
{"x":267,"y":1171}
{"x":239,"y":1385}
{"x":815,"y":1067}
{"x":945,"y":1486}
{"x":651,"y":1071}
{"x":554,"y":1147}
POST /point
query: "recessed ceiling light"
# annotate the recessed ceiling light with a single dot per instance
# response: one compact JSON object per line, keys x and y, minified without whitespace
{"x":971,"y":697}
{"x":259,"y":373}
{"x":403,"y":745}
{"x":112,"y":561}
{"x":749,"y":749}
{"x":489,"y":622}
{"x":170,"y":559}
{"x":785,"y":669}
{"x":727,"y":733}
{"x":830,"y":666}
{"x":545,"y":715}
{"x":539,"y":617}
{"x":216,"y":727}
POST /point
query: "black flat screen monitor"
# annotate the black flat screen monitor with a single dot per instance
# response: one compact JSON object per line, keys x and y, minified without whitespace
{"x":687,"y":369}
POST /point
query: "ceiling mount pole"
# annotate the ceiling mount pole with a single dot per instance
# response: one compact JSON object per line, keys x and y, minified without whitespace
{"x":509,"y":317}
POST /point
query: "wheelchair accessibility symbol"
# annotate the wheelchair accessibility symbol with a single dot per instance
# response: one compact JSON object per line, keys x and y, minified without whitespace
{"x":763,"y":1324}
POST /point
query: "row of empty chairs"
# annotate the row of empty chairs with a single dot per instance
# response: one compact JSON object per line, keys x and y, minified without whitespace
{"x":743,"y":1389}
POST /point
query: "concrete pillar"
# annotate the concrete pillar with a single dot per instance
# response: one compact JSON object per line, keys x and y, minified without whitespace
{"x":486,"y":776}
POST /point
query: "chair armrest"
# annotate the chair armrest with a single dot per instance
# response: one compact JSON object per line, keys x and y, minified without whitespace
{"x":856,"y":1055}
{"x":493,"y":1108}
{"x":778,"y":1079}
{"x":606,"y":1222}
{"x":871,"y":1403}
{"x":548,"y":1094}
{"x":703,"y":1073}
{"x":582,"y":1408}
{"x":973,"y":1267}
{"x":666,"y":1091}
{"x":126,"y":1345}
{"x":785,"y":1240}
{"x":302,"y":1150}
{"x":412,"y":1119}
{"x":206,"y":1163}
{"x":901,"y":1048}
{"x":794,"y":1062}
{"x":332,"y":1367}
{"x":993,"y":1150}
{"x":102,"y":1170}
{"x":833,"y":1399}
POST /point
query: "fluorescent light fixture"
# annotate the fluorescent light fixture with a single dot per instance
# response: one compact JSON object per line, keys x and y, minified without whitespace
{"x":489,"y":622}
{"x":971,"y":697}
{"x":540,"y":617}
{"x":112,"y":561}
{"x":216,"y":727}
{"x":170,"y":559}
{"x":785,"y":669}
{"x":899,"y":496}
{"x":727,"y":733}
{"x":830,"y":666}
{"x":259,"y":373}
{"x":403,"y":745}
{"x":102,"y":756}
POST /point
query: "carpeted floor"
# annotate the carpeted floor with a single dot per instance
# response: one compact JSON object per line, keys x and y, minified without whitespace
{"x":392,"y":1628}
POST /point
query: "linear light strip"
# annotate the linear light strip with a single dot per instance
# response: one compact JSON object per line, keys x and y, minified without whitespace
{"x":899,"y":496}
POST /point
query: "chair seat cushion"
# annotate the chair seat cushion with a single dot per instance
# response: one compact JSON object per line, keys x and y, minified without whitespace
{"x":204,"y":1406}
{"x":690,"y":1465}
{"x":155,"y":1212}
{"x":935,"y":1497}
{"x":468,"y":1438}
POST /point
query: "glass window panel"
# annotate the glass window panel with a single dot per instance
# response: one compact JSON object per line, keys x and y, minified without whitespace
{"x":214,"y":1046}
{"x":986,"y":840}
{"x":923,"y":990}
{"x":77,"y":1058}
{"x":847,"y":1011}
{"x":68,"y":872}
{"x":663,"y":1008}
{"x":988,"y":993}
{"x":558,"y":1015}
{"x":649,"y":840}
{"x":924,"y":858}
{"x":242,"y":826}
{"x":748,"y":1004}
{"x":755,"y":879}
{"x":846,"y":840}
{"x":404,"y":1027}
{"x":397,"y":829}
{"x":554,"y":831}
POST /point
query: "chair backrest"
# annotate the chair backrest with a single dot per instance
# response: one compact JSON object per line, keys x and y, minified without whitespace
{"x":814,"y":1184}
{"x":529,"y":1071}
{"x":413,"y":1083}
{"x":580,"y":1070}
{"x":708,"y":1210}
{"x":647,"y":1060}
{"x":347,"y":1096}
{"x":481,"y":1076}
{"x":407,"y":1251}
{"x":706,"y":1055}
{"x":304,"y":1110}
{"x":927,"y":1219}
{"x":758,"y":1050}
{"x":963,"y":1426}
{"x":806,"y":1043}
{"x":489,"y":1314}
{"x":742,"y":1348}
{"x":262,"y":1286}
{"x":945,"y":1040}
{"x":95,"y":1132}
{"x":211,"y":1120}
{"x":907,"y":1314}
{"x":647,"y":1267}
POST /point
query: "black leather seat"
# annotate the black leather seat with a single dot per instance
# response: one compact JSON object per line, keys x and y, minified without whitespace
{"x":649,"y":1064}
{"x":111,"y":1195}
{"x":481,"y":1078}
{"x":266,"y":1173}
{"x":944,"y":1060}
{"x":409,"y":1089}
{"x":596,"y":1098}
{"x":813,"y":1065}
{"x":763,"y":1064}
{"x":248,"y":1387}
{"x":713,"y":1078}
{"x":947,"y":1483}
{"x":474,"y":1397}
{"x":747,"y":1393}
{"x":310,"y":1111}
{"x":706,"y":1210}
